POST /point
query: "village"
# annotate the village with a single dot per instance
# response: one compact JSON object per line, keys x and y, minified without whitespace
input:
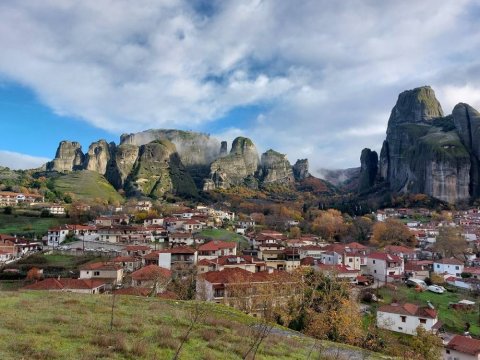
{"x":208,"y":252}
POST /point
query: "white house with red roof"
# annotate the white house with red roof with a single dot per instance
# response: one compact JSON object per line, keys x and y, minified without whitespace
{"x":152,"y":276}
{"x":217,"y":248}
{"x":401,"y":251}
{"x":6,"y":255}
{"x":109,"y":272}
{"x":462,"y":348}
{"x":339,"y":271}
{"x":448,"y":267}
{"x":178,"y":258}
{"x":384,"y":267}
{"x":405,"y":318}
{"x":244,"y":262}
{"x":192,"y":225}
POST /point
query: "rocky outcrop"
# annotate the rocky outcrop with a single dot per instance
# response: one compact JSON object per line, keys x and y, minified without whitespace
{"x":300,"y":169}
{"x":368,"y":169}
{"x":467,"y":123}
{"x":233,"y":169}
{"x":275,"y":168}
{"x":69,"y":157}
{"x":98,"y":156}
{"x":423,"y":153}
{"x":159,"y":170}
{"x":223,"y":149}
{"x":194,"y":148}
{"x":121,"y":164}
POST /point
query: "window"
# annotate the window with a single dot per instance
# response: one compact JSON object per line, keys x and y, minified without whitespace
{"x":423,"y":321}
{"x":403,"y":318}
{"x":438,"y":266}
{"x":457,"y":268}
{"x":350,"y":260}
{"x":374,"y":271}
{"x":96,"y":273}
{"x":374,"y":261}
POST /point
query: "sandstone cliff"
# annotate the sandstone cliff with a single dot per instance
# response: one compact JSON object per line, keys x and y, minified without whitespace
{"x":121,"y":164}
{"x":233,"y":169}
{"x":275,"y":168}
{"x":368,"y":169}
{"x":69,"y":157}
{"x":98,"y":156}
{"x":301,"y":170}
{"x":158,"y":170}
{"x":423,"y":152}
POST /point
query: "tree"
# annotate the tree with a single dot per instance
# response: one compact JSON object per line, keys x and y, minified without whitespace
{"x":450,"y":242}
{"x":294,"y":232}
{"x":329,"y":224}
{"x":392,"y":232}
{"x":425,"y":346}
{"x":361,"y":228}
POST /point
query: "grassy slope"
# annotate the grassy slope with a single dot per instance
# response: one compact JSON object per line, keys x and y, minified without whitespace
{"x":39,"y":325}
{"x":11,"y":224}
{"x":222,"y":234}
{"x":453,"y":320}
{"x":87,"y":185}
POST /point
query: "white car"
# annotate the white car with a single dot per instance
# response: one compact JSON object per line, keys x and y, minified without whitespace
{"x":436,"y":289}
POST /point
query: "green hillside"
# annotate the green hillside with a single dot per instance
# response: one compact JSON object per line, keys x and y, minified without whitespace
{"x":86,"y":185}
{"x":41,"y":325}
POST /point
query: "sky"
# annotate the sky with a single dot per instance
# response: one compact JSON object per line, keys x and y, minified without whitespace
{"x":312,"y":79}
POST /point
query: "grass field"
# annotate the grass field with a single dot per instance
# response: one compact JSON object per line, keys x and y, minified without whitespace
{"x":26,"y":225}
{"x":55,"y":260}
{"x":87,"y":185}
{"x":41,"y":325}
{"x":222,"y":234}
{"x":453,"y":320}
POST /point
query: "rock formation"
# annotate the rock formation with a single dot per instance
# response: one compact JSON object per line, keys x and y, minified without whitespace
{"x":121,"y":164}
{"x":98,"y":156}
{"x":234,"y":168}
{"x":223,"y":149}
{"x":423,"y":152}
{"x":159,"y":170}
{"x":275,"y":168}
{"x":300,"y":169}
{"x":368,"y":169}
{"x":69,"y":157}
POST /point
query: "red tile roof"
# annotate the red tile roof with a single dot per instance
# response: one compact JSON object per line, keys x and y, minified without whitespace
{"x":120,"y":259}
{"x":341,"y":269}
{"x":385,"y":257}
{"x":65,"y":284}
{"x":464,"y":345}
{"x":179,"y":250}
{"x":151,"y":272}
{"x":409,"y":309}
{"x":236,"y":275}
{"x":399,"y":249}
{"x":100,"y":266}
{"x":449,"y":261}
{"x":137,"y":248}
{"x":152,"y":256}
{"x":215,"y":245}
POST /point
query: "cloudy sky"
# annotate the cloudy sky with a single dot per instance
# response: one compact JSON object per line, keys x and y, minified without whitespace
{"x":313,"y":79}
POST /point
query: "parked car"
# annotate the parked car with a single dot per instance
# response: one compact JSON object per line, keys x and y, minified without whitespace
{"x":416,"y":283}
{"x":436,"y":289}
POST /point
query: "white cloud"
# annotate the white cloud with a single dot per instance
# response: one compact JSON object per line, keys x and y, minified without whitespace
{"x":15,"y":161}
{"x":324,"y":70}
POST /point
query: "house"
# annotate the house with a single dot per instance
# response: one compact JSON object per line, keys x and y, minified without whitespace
{"x":83,"y":286}
{"x":109,"y":272}
{"x":128,"y":263}
{"x":216,"y":248}
{"x":136,"y":250}
{"x":462,"y":348}
{"x":57,"y":235}
{"x":245,"y":290}
{"x":245,"y":262}
{"x":181,"y":238}
{"x":179,"y":259}
{"x":384,"y":267}
{"x":450,"y":266}
{"x":405,"y":318}
{"x":418,"y":269}
{"x":55,"y":209}
{"x":191,"y":225}
{"x":401,"y":251}
{"x":6,"y":255}
{"x":339,"y":271}
{"x":152,"y":276}
{"x":109,"y":220}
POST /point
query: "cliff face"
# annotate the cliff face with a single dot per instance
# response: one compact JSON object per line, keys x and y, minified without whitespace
{"x":301,"y":169}
{"x":121,"y":164}
{"x":275,"y":168}
{"x":158,"y":170}
{"x":98,"y":156}
{"x":425,"y":151}
{"x":69,"y":157}
{"x":368,"y":169}
{"x":235,"y":167}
